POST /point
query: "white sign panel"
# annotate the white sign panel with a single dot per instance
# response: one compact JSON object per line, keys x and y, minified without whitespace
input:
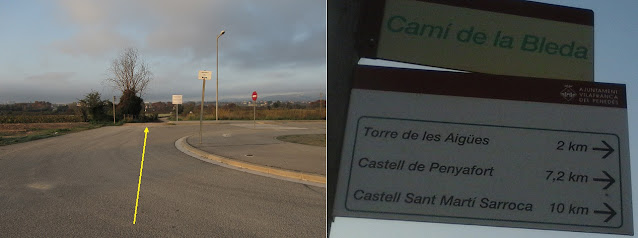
{"x":203,"y":74}
{"x":177,"y":99}
{"x":518,"y":37}
{"x":488,"y":154}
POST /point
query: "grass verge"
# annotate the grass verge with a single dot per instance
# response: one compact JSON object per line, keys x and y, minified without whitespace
{"x":307,"y":139}
{"x":19,"y":133}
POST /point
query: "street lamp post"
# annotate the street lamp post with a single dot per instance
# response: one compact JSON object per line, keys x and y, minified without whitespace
{"x":217,"y":72}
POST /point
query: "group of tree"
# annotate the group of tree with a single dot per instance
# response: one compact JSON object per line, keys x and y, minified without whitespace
{"x":128,"y":74}
{"x":93,"y":108}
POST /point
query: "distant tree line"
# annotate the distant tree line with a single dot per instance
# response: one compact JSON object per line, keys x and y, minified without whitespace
{"x":92,"y":108}
{"x":37,"y":107}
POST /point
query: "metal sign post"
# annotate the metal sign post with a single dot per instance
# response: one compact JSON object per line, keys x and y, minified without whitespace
{"x":113,"y":110}
{"x":177,"y":99}
{"x":320,"y":111}
{"x":203,"y":75}
{"x":254,"y":108}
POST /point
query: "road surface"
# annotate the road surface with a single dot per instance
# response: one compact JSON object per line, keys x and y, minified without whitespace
{"x":84,"y":185}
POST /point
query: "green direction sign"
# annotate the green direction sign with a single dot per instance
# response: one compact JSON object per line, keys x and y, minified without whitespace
{"x":515,"y":38}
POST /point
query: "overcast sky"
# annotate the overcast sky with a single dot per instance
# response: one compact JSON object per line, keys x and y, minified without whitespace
{"x":59,"y":50}
{"x":616,"y":47}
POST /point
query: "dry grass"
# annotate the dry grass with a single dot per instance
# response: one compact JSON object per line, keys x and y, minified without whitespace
{"x":39,"y":118}
{"x":309,"y":139}
{"x":246,"y":113}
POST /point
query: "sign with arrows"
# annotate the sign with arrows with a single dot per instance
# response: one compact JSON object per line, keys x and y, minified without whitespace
{"x":609,"y":180}
{"x":608,"y":148}
{"x":486,"y":150}
{"x":610,"y":211}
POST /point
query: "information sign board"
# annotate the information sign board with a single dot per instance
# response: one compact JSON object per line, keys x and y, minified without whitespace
{"x":486,"y":150}
{"x":177,"y":99}
{"x":203,"y":74}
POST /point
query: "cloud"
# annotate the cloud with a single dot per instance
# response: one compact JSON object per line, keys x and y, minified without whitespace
{"x":259,"y":33}
{"x":276,"y":43}
{"x":95,"y":27}
{"x":86,"y":12}
{"x":50,"y":78}
{"x":96,"y":43}
{"x":48,"y":86}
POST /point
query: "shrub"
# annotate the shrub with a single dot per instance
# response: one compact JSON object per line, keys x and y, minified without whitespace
{"x":130,"y":104}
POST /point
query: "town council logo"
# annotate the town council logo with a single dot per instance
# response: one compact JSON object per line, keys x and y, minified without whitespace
{"x":568,"y":93}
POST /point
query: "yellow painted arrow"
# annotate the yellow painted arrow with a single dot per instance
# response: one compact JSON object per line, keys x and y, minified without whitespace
{"x":140,"y":181}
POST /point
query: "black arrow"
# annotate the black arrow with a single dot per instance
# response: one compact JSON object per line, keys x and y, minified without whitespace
{"x":610,"y":211}
{"x":608,"y":149}
{"x":609,"y":180}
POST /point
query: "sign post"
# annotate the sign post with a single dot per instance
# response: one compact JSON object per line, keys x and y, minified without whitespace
{"x":518,"y":36}
{"x":254,"y":108}
{"x":486,"y":150}
{"x":113,"y":110}
{"x":320,"y":111}
{"x":203,"y":75}
{"x":177,"y":99}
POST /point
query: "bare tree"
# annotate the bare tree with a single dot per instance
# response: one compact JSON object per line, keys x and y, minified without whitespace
{"x":129,"y":73}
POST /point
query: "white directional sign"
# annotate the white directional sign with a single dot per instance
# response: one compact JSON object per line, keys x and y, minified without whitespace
{"x":486,"y":150}
{"x":203,"y":74}
{"x":177,"y":99}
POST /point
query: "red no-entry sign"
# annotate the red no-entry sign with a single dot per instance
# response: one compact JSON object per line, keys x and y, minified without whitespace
{"x":255,"y":96}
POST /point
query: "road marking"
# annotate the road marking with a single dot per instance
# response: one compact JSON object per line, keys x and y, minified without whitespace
{"x":140,"y":181}
{"x":40,"y":185}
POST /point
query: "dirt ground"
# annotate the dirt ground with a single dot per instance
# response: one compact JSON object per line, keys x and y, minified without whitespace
{"x":25,"y":129}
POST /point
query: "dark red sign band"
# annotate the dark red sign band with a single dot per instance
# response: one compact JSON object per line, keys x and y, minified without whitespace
{"x":490,"y":86}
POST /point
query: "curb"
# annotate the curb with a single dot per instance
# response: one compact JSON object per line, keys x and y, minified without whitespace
{"x":299,"y":177}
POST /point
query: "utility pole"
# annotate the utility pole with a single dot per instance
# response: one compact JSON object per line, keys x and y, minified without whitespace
{"x":113,"y":110}
{"x":217,"y":73}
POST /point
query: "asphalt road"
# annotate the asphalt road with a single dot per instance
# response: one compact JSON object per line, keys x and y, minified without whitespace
{"x":84,"y":185}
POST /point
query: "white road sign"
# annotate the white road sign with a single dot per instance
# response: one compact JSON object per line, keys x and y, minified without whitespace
{"x":177,"y":99}
{"x":203,"y":74}
{"x":486,"y":150}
